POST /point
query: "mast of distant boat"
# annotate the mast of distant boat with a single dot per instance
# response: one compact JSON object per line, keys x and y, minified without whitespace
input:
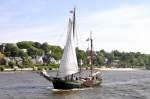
{"x":91,"y":53}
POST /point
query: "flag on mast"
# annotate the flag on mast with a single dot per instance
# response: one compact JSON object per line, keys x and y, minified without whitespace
{"x":87,"y":39}
{"x":71,"y":11}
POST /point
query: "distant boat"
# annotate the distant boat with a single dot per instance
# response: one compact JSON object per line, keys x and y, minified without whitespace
{"x":67,"y":77}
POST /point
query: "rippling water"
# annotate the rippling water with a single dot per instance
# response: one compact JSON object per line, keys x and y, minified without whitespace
{"x":116,"y":85}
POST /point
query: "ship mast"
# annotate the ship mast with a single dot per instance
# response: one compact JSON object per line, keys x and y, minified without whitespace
{"x":74,"y":21}
{"x":73,"y":30}
{"x":91,"y":53}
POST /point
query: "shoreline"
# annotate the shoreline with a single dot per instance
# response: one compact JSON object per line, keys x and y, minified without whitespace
{"x":118,"y":69}
{"x":99,"y":69}
{"x":23,"y":69}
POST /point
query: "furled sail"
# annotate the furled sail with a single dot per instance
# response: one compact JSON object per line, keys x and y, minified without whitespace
{"x":68,"y":63}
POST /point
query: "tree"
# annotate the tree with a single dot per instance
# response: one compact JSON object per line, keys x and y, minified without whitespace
{"x":14,"y":51}
{"x":1,"y":55}
{"x":26,"y":61}
{"x":46,"y":48}
{"x":25,"y":44}
{"x":56,"y":52}
{"x":110,"y":57}
{"x":103,"y":52}
{"x":12,"y":63}
{"x":39,"y":52}
{"x":116,"y":54}
{"x":100,"y":58}
{"x":37,"y":45}
{"x":32,"y":51}
{"x":81,"y":55}
{"x":1,"y":48}
{"x":22,"y":54}
{"x":2,"y":61}
{"x":11,"y":50}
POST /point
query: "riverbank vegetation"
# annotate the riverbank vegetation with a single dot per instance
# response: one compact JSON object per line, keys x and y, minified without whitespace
{"x":26,"y":54}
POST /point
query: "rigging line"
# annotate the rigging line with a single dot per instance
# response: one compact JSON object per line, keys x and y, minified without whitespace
{"x":57,"y":43}
{"x":77,"y":45}
{"x":59,"y":38}
{"x":76,"y":35}
{"x":62,"y":35}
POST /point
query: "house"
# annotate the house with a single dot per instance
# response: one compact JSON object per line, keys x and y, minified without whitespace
{"x":39,"y":59}
{"x":115,"y":62}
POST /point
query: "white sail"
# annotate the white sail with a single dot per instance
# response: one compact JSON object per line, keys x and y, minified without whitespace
{"x":68,"y":63}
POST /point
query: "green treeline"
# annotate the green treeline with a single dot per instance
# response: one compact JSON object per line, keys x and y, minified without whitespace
{"x":27,"y":54}
{"x":27,"y":50}
{"x":117,"y":59}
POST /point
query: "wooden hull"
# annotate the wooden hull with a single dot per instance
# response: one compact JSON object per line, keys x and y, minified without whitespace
{"x":63,"y":84}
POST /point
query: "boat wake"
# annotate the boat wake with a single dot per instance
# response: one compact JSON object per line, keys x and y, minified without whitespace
{"x":69,"y":90}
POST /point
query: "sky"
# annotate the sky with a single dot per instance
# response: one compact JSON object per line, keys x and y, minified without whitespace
{"x":122,"y":25}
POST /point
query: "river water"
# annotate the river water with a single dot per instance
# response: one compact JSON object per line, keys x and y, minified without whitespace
{"x":116,"y":85}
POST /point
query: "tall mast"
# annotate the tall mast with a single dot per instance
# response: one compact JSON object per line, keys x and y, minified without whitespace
{"x":74,"y":20}
{"x":73,"y":28}
{"x":91,"y":52}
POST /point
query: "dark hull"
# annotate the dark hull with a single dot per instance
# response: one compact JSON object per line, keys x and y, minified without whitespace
{"x":63,"y":84}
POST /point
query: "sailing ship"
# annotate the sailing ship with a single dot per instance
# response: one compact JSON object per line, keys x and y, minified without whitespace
{"x":67,"y":77}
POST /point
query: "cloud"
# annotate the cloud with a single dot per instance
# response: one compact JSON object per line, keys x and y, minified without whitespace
{"x":125,"y":28}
